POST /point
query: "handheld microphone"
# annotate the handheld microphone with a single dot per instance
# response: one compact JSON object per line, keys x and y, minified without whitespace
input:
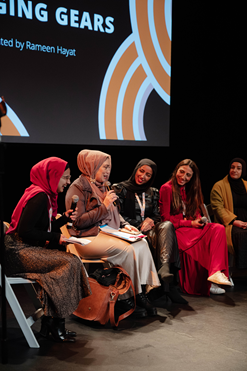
{"x":108,"y":186}
{"x":203,"y":220}
{"x":75,"y":199}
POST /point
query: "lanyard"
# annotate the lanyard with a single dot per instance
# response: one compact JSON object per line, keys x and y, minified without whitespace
{"x":50,"y":215}
{"x":142,"y":206}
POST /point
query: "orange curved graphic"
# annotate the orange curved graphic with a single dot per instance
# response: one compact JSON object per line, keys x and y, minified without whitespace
{"x":147,"y":44}
{"x":129,"y":101}
{"x":113,"y":91}
{"x":141,"y":63}
{"x":8,"y":128}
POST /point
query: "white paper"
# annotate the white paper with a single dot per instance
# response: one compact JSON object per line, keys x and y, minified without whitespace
{"x":80,"y":240}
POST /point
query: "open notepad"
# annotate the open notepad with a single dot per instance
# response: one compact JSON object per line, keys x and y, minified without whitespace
{"x":124,"y":236}
{"x":80,"y":240}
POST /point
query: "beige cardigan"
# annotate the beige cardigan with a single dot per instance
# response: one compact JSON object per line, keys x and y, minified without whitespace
{"x":222,"y":206}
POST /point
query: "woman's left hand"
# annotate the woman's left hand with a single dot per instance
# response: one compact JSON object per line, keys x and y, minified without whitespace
{"x":72,"y":214}
{"x":240,"y":224}
{"x":147,"y":224}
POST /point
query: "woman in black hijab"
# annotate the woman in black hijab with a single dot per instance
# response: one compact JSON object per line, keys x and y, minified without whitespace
{"x":139,"y":205}
{"x":229,"y":203}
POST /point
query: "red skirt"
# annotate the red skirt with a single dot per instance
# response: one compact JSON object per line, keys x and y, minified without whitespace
{"x":202,"y":253}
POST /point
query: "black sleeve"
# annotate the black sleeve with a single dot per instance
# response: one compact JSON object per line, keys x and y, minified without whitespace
{"x":34,"y":222}
{"x":121,"y":193}
{"x":59,"y":222}
{"x":155,"y":213}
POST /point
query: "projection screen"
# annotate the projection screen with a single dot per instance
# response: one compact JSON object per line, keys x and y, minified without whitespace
{"x":86,"y":72}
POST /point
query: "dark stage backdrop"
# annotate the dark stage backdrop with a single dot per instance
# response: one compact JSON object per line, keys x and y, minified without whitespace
{"x":208,"y":115}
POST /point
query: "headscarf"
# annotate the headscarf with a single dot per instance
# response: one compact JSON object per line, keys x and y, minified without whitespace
{"x":132,"y":187}
{"x":89,"y":162}
{"x":237,"y":185}
{"x":44,"y":176}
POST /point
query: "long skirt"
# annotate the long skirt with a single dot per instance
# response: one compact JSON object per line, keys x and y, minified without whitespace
{"x":135,"y":258}
{"x":61,"y":276}
{"x":203,"y":252}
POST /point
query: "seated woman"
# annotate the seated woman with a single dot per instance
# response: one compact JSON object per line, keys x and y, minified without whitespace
{"x":32,"y":247}
{"x":95,"y":208}
{"x":202,"y":246}
{"x":229,"y":203}
{"x":139,"y":203}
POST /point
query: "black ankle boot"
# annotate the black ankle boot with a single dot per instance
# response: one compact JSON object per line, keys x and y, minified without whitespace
{"x":56,"y":327}
{"x":155,"y":294}
{"x":143,"y":302}
{"x":123,"y":306}
{"x":67,"y":332}
{"x":175,"y":296}
{"x":44,"y":331}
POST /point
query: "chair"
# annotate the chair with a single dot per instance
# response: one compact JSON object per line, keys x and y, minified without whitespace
{"x":207,"y":211}
{"x":24,"y":323}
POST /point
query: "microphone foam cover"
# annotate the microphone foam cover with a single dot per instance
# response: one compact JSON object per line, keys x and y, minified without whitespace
{"x":75,"y":199}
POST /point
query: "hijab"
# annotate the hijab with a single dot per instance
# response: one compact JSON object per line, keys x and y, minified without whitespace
{"x":132,"y":187}
{"x":89,"y":162}
{"x":237,"y":185}
{"x":44,"y":176}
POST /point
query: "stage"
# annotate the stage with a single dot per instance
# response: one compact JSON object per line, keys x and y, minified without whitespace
{"x":207,"y":334}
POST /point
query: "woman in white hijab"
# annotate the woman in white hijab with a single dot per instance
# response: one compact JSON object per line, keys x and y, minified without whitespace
{"x":95,"y":208}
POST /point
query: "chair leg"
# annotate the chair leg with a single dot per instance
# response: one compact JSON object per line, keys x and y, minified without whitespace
{"x":20,"y":317}
{"x":33,"y":295}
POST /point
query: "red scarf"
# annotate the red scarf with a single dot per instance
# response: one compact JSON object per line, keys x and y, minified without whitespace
{"x":45,"y":176}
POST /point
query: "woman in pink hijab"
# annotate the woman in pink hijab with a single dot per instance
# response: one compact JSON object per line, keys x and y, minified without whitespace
{"x":95,"y":208}
{"x":35,"y":248}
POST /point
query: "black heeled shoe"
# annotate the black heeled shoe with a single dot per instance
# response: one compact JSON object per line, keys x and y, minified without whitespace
{"x":143,"y":302}
{"x":123,"y":306}
{"x":155,"y":294}
{"x":67,"y":332}
{"x":56,"y":327}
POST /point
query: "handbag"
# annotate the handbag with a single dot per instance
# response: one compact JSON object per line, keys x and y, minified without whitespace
{"x":100,"y":306}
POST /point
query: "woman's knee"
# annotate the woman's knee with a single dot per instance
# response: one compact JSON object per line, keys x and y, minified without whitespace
{"x":167,"y":226}
{"x":219,"y":227}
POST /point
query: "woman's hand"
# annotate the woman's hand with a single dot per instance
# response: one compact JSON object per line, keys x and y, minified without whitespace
{"x":110,"y":198}
{"x":197,"y":223}
{"x":147,"y":224}
{"x":240,"y":224}
{"x":131,"y":228}
{"x":62,"y":240}
{"x":72,"y":214}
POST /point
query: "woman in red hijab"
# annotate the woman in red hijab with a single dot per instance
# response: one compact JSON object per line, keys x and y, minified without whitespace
{"x":35,"y":248}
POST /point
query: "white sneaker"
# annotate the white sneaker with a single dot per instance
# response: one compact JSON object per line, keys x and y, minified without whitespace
{"x":216,"y":290}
